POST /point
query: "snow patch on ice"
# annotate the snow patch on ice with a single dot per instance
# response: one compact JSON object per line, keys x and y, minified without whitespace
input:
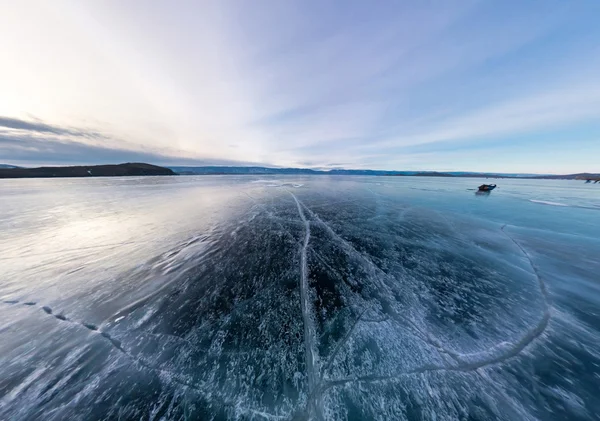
{"x":546,"y":202}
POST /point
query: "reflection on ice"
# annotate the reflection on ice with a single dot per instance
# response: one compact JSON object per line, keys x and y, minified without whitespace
{"x":277,"y":299}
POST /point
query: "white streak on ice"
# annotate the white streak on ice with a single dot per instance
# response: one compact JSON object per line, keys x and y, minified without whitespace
{"x":309,"y":328}
{"x":545,"y":202}
{"x":308,"y":325}
{"x":471,"y":362}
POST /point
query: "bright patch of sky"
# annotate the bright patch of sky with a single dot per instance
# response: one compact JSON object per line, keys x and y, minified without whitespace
{"x":455,"y":85}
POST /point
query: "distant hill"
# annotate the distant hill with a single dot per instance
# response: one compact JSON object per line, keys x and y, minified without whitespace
{"x":136,"y":169}
{"x":579,"y":176}
{"x":240,"y":170}
{"x":218,"y":170}
{"x":433,"y":174}
{"x":128,"y":169}
{"x":215,"y":170}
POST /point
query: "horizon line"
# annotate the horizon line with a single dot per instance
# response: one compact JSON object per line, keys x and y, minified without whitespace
{"x":316,"y":169}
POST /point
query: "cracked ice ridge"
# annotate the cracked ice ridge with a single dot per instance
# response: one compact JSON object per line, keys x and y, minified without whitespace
{"x":309,"y":329}
{"x":325,"y":367}
{"x":464,"y":362}
{"x":165,"y":374}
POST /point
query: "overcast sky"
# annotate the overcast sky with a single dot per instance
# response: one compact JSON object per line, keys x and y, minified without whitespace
{"x":506,"y":86}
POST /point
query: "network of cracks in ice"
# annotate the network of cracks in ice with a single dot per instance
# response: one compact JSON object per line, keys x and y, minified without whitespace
{"x":302,"y":307}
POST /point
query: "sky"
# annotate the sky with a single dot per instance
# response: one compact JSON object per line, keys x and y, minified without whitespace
{"x":498,"y":86}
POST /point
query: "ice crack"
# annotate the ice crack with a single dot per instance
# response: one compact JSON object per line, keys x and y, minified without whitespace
{"x":309,"y":328}
{"x":463,"y":362}
{"x":470,"y":362}
{"x":115,"y":343}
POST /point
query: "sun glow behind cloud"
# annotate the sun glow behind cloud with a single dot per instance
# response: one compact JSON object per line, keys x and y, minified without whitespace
{"x":392,"y":86}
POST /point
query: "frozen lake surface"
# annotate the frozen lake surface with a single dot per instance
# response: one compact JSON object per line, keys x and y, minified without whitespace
{"x":304,"y":298}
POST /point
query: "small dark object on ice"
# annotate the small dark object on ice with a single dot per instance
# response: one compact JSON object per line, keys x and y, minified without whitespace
{"x":487,"y":187}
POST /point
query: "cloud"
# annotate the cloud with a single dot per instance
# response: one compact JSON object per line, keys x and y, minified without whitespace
{"x":360,"y":90}
{"x":553,"y":108}
{"x":30,"y":151}
{"x":298,"y":82}
{"x":41,"y":127}
{"x":38,"y":143}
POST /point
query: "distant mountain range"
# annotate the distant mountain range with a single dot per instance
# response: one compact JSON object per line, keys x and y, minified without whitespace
{"x":206,"y":170}
{"x":12,"y":171}
{"x":220,"y":170}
